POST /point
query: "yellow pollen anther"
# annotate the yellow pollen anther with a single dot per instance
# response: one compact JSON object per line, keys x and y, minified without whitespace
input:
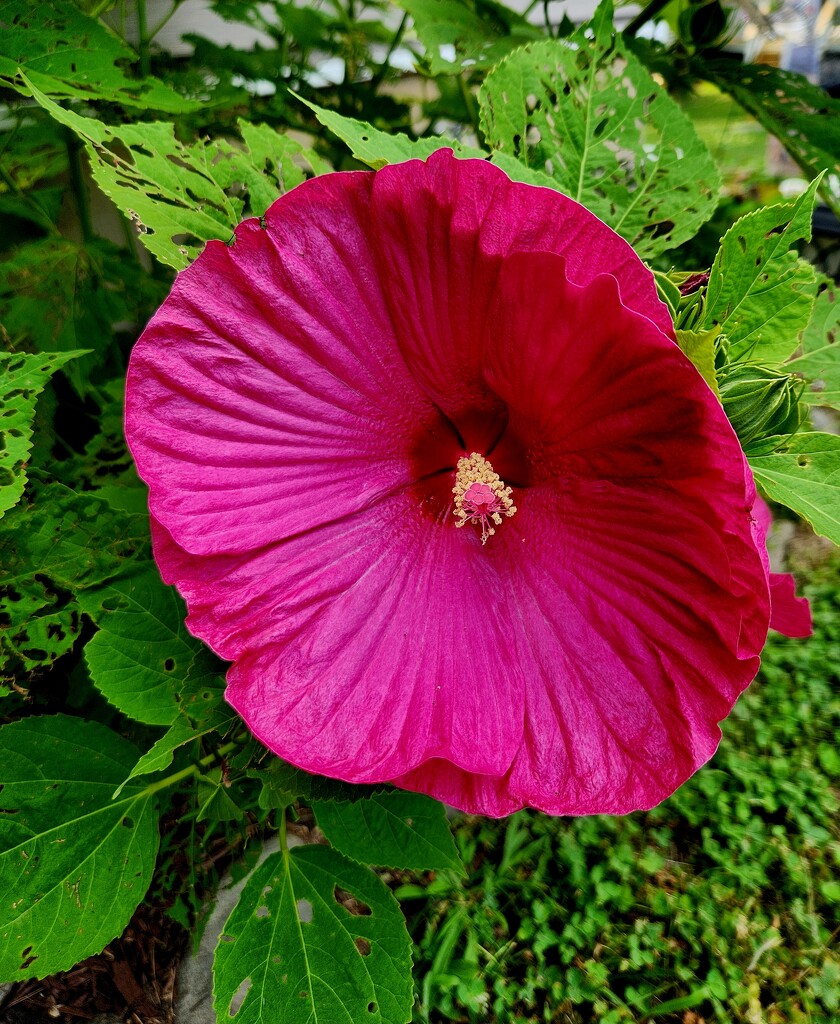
{"x":480,"y":495}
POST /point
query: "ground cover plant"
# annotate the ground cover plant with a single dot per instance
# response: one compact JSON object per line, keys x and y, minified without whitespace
{"x":557,"y":171}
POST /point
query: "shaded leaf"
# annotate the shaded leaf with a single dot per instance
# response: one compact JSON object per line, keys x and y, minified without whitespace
{"x":804,"y":118}
{"x":178,"y":195}
{"x":73,"y":863}
{"x":586,"y":112}
{"x":51,"y":552}
{"x":283,"y":783}
{"x":314,"y":937}
{"x":23,"y":377}
{"x":804,"y":475}
{"x":143,"y":660}
{"x":65,"y":53}
{"x":760,"y":293}
{"x":393,"y":829}
{"x":477,"y":35}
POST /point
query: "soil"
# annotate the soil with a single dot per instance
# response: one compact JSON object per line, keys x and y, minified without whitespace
{"x":132,"y":981}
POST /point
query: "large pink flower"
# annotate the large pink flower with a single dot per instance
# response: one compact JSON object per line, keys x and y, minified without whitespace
{"x":302,"y":407}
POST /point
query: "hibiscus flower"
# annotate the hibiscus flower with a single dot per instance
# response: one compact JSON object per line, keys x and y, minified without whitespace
{"x":428,"y":467}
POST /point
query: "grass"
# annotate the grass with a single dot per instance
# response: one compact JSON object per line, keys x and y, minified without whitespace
{"x":720,"y":906}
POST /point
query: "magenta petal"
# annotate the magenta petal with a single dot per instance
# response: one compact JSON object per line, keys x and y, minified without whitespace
{"x":789,"y":614}
{"x":386,"y":644}
{"x":267,"y":396}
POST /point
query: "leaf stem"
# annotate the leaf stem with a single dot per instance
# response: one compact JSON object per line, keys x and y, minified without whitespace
{"x":472,"y":111}
{"x":193,"y":769}
{"x":395,"y":42}
{"x":73,"y":145}
{"x":143,"y":40}
{"x":647,"y":14}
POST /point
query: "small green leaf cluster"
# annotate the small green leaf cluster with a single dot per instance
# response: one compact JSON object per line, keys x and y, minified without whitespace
{"x":723,"y":901}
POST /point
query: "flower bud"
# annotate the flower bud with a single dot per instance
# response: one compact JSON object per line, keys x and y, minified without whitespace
{"x":760,"y":402}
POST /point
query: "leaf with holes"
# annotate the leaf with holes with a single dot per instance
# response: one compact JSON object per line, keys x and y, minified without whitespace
{"x":804,"y":475}
{"x":22,"y":378}
{"x":314,"y":937}
{"x":585,"y":111}
{"x":819,"y":363}
{"x":66,"y":53}
{"x":760,"y":293}
{"x":376,"y":148}
{"x":476,"y":36}
{"x":180,"y":195}
{"x":73,"y":863}
{"x":802,"y":116}
{"x":393,"y":829}
{"x":143,"y":659}
{"x":51,"y":552}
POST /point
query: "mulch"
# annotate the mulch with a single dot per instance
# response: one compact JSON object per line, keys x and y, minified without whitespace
{"x":132,"y":981}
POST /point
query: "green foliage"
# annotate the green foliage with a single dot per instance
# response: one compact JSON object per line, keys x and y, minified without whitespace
{"x":800,"y":115}
{"x":179,"y":195}
{"x":715,"y":901}
{"x":760,"y":293}
{"x":52,"y":552}
{"x":143,"y":660}
{"x":314,"y":936}
{"x":392,"y":829}
{"x":65,"y":53}
{"x":22,"y":378}
{"x":73,"y":862}
{"x":804,"y":474}
{"x":586,"y":112}
{"x":820,"y":359}
{"x":480,"y":34}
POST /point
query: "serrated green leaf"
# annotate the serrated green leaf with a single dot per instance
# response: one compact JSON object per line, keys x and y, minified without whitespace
{"x":50,"y":552}
{"x":802,"y":116}
{"x":376,"y":148}
{"x":760,"y":293}
{"x":479,"y":34}
{"x":68,"y":54}
{"x":283,"y":783}
{"x":393,"y":829}
{"x":180,"y":196}
{"x":587,"y":113}
{"x":23,"y":377}
{"x":804,"y":475}
{"x":314,"y":937}
{"x":699,"y":346}
{"x":143,"y":659}
{"x":819,"y":363}
{"x":73,"y":863}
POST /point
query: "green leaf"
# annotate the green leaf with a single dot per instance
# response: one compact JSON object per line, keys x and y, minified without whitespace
{"x":804,"y":475}
{"x":73,"y":863}
{"x":393,"y":829}
{"x":65,"y":53}
{"x":586,"y":112}
{"x":51,"y":552}
{"x":802,"y":116}
{"x":22,"y":378}
{"x":283,"y":783}
{"x":178,"y":195}
{"x":143,"y":659}
{"x":314,"y":937}
{"x":760,"y":293}
{"x":376,"y":148}
{"x":699,"y":346}
{"x":58,"y":295}
{"x":820,"y":360}
{"x":480,"y":34}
